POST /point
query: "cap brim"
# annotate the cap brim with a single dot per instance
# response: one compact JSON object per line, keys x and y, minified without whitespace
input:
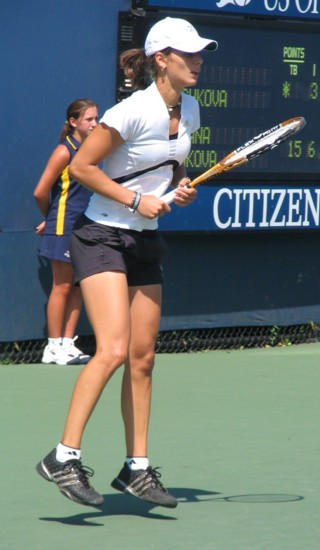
{"x":212,"y":46}
{"x":196,"y":46}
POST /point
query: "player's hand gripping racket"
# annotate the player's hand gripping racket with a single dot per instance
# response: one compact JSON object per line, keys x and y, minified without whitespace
{"x":250,"y":150}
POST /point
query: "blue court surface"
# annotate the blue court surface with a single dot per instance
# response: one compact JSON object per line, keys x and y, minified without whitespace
{"x":235,"y":433}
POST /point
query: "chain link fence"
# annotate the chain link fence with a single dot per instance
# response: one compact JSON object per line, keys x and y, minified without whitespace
{"x":182,"y":341}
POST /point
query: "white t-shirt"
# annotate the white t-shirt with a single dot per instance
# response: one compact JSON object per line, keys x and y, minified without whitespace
{"x":142,"y":120}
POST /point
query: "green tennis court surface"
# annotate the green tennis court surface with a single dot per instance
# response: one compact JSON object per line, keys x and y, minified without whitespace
{"x":236,"y":434}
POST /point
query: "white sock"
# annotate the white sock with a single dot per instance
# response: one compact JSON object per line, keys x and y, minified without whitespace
{"x":65,"y":453}
{"x":137,"y":462}
{"x":66,"y":342}
{"x":54,"y":341}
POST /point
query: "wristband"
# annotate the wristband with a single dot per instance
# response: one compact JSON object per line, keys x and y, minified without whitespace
{"x":135,"y":202}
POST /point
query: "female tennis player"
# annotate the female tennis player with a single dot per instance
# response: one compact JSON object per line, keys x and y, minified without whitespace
{"x":116,"y":251}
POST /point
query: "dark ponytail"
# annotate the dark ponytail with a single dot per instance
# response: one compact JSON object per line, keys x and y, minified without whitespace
{"x":136,"y":66}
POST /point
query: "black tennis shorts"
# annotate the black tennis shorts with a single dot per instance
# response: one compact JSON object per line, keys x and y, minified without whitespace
{"x":96,"y":248}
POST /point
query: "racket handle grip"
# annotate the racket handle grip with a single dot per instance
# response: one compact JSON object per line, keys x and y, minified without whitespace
{"x":168,"y":197}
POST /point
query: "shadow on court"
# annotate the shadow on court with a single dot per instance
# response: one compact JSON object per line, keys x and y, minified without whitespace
{"x":236,"y":434}
{"x":123,"y":505}
{"x":126,"y":505}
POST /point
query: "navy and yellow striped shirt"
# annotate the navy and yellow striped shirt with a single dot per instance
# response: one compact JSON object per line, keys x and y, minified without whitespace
{"x":69,"y":199}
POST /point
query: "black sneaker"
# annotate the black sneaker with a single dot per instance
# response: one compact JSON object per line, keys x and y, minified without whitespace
{"x":71,"y":478}
{"x":144,"y":484}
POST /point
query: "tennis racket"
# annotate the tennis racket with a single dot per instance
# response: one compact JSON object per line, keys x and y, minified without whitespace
{"x":250,"y":150}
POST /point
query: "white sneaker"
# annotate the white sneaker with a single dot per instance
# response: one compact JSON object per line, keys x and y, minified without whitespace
{"x":71,"y":355}
{"x":52,"y":355}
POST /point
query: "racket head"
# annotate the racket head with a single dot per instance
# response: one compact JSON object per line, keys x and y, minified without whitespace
{"x":264,"y":142}
{"x":253,"y":148}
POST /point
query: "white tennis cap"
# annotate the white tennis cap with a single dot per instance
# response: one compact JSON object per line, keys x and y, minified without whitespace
{"x":177,"y":34}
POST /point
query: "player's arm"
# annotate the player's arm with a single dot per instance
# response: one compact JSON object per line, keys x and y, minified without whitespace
{"x":55,"y":166}
{"x":102,"y":141}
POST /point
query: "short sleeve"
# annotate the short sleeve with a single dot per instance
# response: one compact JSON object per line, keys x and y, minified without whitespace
{"x":122,"y":118}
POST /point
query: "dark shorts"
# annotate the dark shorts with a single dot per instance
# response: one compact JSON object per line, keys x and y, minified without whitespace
{"x":56,"y":247}
{"x":96,"y":248}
